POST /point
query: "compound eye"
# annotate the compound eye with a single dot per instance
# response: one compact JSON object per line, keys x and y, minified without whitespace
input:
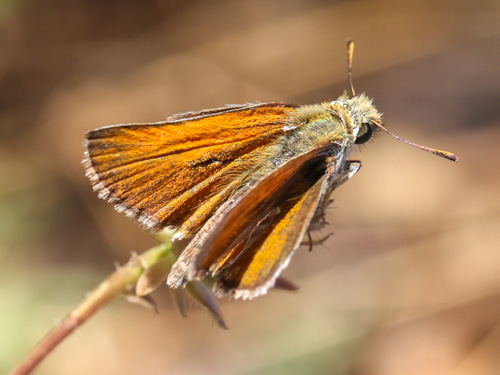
{"x":364,"y":134}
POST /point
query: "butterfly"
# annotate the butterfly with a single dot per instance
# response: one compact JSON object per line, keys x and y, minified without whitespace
{"x":241,"y":185}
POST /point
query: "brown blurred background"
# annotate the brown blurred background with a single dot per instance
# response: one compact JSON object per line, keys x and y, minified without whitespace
{"x":409,"y":283}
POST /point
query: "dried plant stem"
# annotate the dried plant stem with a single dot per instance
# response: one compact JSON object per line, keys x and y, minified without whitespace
{"x":121,"y":281}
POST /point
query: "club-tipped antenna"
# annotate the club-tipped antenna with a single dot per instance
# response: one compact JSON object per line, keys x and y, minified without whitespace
{"x":350,"y":52}
{"x":443,"y":154}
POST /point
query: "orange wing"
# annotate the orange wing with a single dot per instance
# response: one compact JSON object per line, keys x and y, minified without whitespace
{"x":254,"y":240}
{"x":256,"y":270}
{"x":161,"y":173}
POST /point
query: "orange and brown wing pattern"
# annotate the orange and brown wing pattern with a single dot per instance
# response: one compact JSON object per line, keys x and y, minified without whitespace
{"x":254,"y":240}
{"x":161,"y":173}
{"x":259,"y":266}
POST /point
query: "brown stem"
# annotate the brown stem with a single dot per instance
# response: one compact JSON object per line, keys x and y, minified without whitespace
{"x":120,"y":281}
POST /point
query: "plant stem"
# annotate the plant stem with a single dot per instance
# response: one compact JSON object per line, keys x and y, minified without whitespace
{"x":122,"y":280}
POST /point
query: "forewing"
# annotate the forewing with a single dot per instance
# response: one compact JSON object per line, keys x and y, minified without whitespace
{"x":253,"y":263}
{"x":288,"y":182}
{"x":256,"y":270}
{"x":160,"y":173}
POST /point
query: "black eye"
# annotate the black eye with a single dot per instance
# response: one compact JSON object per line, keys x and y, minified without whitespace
{"x":364,"y":134}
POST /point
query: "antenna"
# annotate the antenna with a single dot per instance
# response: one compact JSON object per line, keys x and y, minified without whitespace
{"x":443,"y":154}
{"x":350,"y":51}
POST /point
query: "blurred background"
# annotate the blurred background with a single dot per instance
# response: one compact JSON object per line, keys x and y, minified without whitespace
{"x":409,"y":283}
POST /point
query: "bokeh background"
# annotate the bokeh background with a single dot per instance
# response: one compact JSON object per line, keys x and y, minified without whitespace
{"x":409,"y":283}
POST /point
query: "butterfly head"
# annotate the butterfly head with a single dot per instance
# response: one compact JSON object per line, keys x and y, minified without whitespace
{"x":359,"y":115}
